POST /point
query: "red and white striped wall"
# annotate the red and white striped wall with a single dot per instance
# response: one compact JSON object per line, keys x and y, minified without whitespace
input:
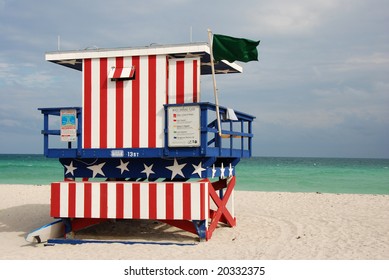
{"x":184,"y":80}
{"x":124,"y":113}
{"x":129,"y":113}
{"x":131,"y":200}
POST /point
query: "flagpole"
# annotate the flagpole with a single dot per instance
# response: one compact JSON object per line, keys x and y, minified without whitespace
{"x":214,"y":83}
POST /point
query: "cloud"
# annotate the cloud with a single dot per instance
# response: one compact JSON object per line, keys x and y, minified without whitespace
{"x":323,"y":65}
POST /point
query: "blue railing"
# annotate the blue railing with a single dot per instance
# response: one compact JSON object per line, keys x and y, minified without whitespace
{"x":235,"y":139}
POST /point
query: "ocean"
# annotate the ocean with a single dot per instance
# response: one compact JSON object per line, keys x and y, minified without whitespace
{"x":276,"y":174}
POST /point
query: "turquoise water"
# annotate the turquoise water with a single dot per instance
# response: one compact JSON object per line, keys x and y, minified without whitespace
{"x":326,"y":175}
{"x":29,"y":169}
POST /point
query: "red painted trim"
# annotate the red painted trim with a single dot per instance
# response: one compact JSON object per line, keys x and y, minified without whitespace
{"x":72,"y":200}
{"x":87,"y":103}
{"x":103,"y":102}
{"x":136,"y":103}
{"x":136,"y":201}
{"x":55,"y":199}
{"x":186,"y":201}
{"x":103,"y":200}
{"x":152,"y":201}
{"x":180,"y":78}
{"x":117,"y":73}
{"x":87,"y":200}
{"x":119,"y":107}
{"x":119,"y":201}
{"x":152,"y":101}
{"x":169,"y":201}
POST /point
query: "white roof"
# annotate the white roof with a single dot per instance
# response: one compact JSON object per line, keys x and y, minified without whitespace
{"x":73,"y":59}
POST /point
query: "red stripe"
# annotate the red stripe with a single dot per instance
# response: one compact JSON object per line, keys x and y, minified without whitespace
{"x":119,"y":201}
{"x":72,"y":200}
{"x":87,"y":103}
{"x":117,"y":73}
{"x":55,"y":199}
{"x":202,"y":201}
{"x":195,"y":81}
{"x":135,"y":104}
{"x":169,"y":201}
{"x":87,"y":200}
{"x":152,"y":101}
{"x":119,"y":107}
{"x":103,"y":102}
{"x":132,"y":72}
{"x":186,"y":201}
{"x":180,"y":77}
{"x":152,"y":201}
{"x":136,"y":201}
{"x":103,"y":200}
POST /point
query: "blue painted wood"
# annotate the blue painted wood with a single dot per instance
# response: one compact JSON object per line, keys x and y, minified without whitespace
{"x":59,"y":241}
{"x":238,"y":145}
{"x":140,"y":168}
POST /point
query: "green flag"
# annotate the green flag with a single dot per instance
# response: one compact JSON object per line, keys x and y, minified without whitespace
{"x":231,"y":49}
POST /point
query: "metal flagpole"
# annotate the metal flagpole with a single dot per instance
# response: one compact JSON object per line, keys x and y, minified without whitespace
{"x":214,"y":83}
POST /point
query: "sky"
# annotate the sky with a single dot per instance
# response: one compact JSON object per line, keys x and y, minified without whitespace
{"x":319,"y":89}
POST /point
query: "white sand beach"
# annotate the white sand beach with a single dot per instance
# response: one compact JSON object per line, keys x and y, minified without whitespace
{"x":272,"y":226}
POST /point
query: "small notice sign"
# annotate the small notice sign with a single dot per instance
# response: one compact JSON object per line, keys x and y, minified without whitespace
{"x":68,"y":125}
{"x":184,"y":126}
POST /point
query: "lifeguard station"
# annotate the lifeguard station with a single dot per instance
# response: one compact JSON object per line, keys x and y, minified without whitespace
{"x":143,"y":145}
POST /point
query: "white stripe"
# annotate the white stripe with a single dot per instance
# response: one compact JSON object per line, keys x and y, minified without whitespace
{"x":178,"y":199}
{"x":198,"y":80}
{"x":144,"y":201}
{"x":195,"y":201}
{"x":172,"y":81}
{"x":95,"y":107}
{"x":125,"y":72}
{"x":80,"y":200}
{"x":144,"y":102}
{"x":127,"y":200}
{"x":161,"y":201}
{"x":188,"y":81}
{"x":111,"y":200}
{"x":111,"y":108}
{"x":161,"y":99}
{"x":95,"y":197}
{"x":64,"y":200}
{"x":127,"y":107}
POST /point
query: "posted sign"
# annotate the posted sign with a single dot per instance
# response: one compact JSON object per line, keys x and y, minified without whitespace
{"x":68,"y":125}
{"x":184,"y":126}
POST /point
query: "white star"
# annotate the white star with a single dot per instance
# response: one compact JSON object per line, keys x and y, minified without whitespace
{"x":213,"y":171}
{"x":222,"y":169}
{"x":230,"y":169}
{"x":70,"y":168}
{"x":198,"y":169}
{"x":148,"y":170}
{"x":97,"y":169}
{"x":123,"y":166}
{"x":176,"y":169}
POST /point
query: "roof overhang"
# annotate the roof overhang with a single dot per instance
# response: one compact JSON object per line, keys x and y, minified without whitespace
{"x":73,"y":59}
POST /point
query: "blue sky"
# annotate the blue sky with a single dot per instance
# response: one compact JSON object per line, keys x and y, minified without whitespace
{"x":320,"y":88}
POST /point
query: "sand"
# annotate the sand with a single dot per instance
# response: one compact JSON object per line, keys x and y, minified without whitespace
{"x":270,"y":226}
